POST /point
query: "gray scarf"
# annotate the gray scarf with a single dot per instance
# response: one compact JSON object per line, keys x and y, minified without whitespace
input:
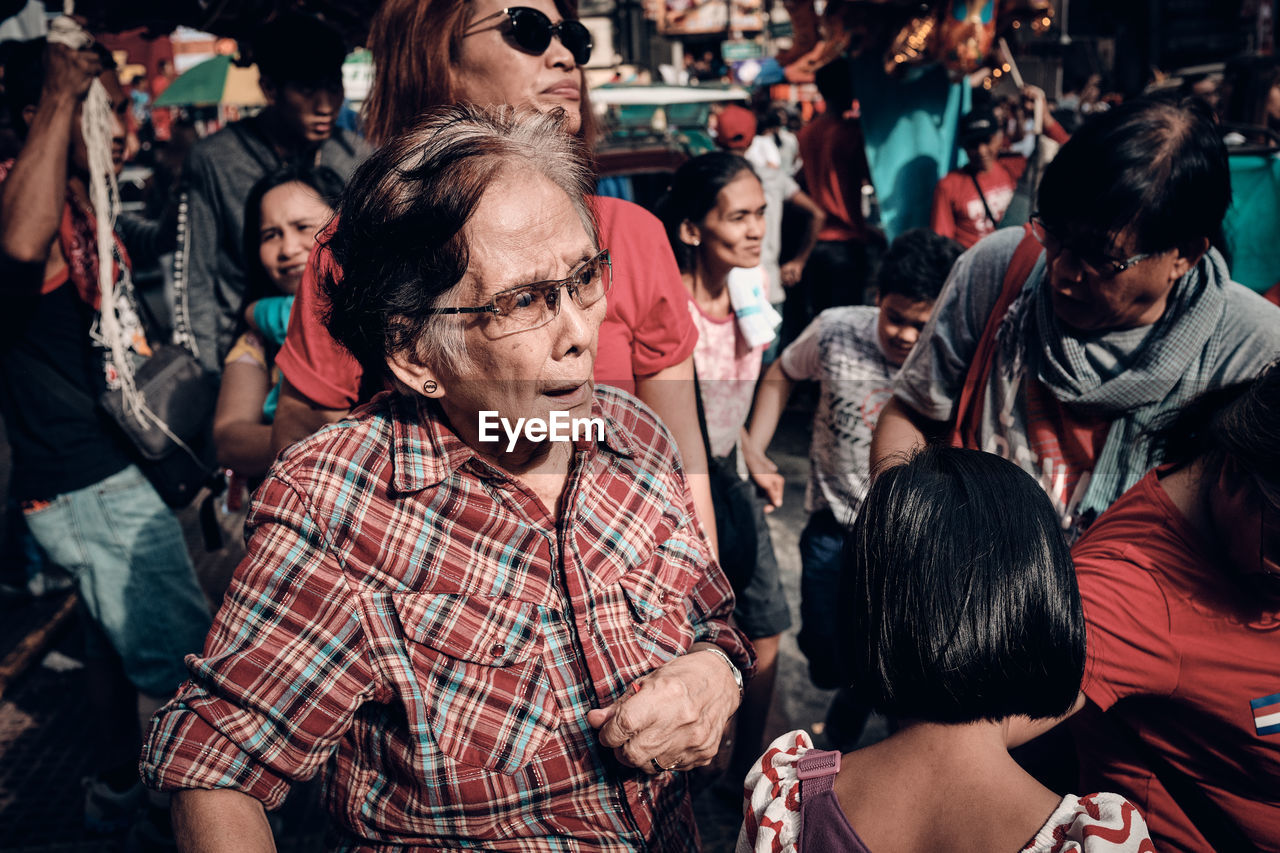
{"x":1167,"y":368}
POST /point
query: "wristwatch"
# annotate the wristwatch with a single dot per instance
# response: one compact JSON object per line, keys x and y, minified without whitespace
{"x":733,"y":668}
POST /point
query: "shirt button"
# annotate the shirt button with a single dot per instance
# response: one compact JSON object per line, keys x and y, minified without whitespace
{"x":497,"y":650}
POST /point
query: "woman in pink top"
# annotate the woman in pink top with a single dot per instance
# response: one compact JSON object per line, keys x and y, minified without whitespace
{"x":714,"y":216}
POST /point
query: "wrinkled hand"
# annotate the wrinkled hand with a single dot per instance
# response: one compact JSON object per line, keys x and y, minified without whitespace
{"x":69,"y":72}
{"x":675,"y":715}
{"x":765,"y":474}
{"x":790,"y":272}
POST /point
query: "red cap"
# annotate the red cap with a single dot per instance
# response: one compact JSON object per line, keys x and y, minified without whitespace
{"x":735,"y":127}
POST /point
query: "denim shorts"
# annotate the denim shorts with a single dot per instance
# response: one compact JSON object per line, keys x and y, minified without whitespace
{"x":762,"y":609}
{"x":127,"y":553}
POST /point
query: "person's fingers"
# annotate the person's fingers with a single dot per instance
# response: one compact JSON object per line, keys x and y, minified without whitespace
{"x":597,"y":717}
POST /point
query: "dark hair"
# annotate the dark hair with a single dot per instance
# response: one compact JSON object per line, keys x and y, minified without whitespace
{"x":414,"y":44}
{"x":400,"y":245}
{"x":917,"y":264}
{"x":1240,"y":422}
{"x":298,"y":49}
{"x":323,"y":180}
{"x":693,"y":194}
{"x":835,"y":85}
{"x":24,"y":76}
{"x":960,"y":595}
{"x":1157,"y":166}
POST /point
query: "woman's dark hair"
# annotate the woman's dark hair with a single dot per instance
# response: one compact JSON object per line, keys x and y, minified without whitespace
{"x":693,"y":194}
{"x":323,"y":180}
{"x":1240,"y":422}
{"x":917,"y":264}
{"x":399,"y":247}
{"x":960,"y":595}
{"x":1154,"y":165}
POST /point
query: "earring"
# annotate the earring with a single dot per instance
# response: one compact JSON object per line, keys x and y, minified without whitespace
{"x":429,"y":387}
{"x":696,"y":243}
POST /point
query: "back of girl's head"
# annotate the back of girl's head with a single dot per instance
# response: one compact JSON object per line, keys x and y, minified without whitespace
{"x":693,"y":194}
{"x":323,"y":181}
{"x":960,"y":595}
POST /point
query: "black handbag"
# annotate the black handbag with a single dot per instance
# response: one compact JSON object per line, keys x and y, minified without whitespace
{"x":731,"y":500}
{"x":172,"y":429}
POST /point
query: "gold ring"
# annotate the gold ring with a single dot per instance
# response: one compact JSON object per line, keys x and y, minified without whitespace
{"x":660,"y":768}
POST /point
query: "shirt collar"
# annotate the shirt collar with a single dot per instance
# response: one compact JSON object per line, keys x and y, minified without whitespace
{"x":425,"y":450}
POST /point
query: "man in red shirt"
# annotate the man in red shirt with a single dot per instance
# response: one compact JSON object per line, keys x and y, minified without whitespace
{"x":1181,"y":592}
{"x":969,"y":202}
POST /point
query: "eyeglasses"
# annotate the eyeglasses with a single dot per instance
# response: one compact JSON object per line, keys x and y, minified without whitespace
{"x":1097,"y":265}
{"x":532,"y":306}
{"x":532,"y":31}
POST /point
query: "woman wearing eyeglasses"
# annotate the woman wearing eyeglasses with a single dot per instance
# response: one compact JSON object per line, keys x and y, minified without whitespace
{"x":484,"y":602}
{"x":1059,"y":347}
{"x":434,"y":52}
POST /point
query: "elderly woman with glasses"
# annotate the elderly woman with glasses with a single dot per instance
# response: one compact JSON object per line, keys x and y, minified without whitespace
{"x":430,"y":53}
{"x":483,"y":603}
{"x":1060,"y":347}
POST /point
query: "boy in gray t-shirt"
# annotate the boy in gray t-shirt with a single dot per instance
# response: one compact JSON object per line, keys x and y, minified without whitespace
{"x":853,"y":351}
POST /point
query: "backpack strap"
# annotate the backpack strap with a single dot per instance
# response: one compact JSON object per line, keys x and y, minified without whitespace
{"x":968,"y":414}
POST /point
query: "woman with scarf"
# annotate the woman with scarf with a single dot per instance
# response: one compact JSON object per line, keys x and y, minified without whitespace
{"x":1058,"y":346}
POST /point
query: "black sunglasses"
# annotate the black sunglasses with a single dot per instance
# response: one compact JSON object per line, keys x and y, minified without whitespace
{"x":532,"y":31}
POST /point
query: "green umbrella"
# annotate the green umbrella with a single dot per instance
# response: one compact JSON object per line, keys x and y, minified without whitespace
{"x":212,"y":82}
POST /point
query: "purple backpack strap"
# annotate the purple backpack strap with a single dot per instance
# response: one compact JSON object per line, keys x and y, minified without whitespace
{"x":818,"y":768}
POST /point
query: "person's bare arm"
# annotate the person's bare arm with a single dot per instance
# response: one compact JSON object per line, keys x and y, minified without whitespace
{"x":790,"y":271}
{"x":242,"y":439}
{"x":35,"y":191}
{"x":219,"y":821}
{"x":899,"y":432}
{"x":297,"y":417}
{"x":771,"y":397}
{"x":670,"y":393}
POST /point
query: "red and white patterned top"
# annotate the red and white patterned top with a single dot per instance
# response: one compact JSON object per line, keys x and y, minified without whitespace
{"x":1095,"y":823}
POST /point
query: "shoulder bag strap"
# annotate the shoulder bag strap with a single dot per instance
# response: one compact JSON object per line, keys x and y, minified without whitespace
{"x":977,"y":186}
{"x":968,"y":413}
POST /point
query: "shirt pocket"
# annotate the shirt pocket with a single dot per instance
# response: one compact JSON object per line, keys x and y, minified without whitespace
{"x":657,"y":594}
{"x":483,"y":694}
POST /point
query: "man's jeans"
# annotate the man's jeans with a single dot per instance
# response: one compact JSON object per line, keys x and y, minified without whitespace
{"x":821,"y":544}
{"x":126,"y":551}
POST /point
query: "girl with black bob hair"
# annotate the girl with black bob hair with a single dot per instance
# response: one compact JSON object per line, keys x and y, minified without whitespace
{"x":962,"y":614}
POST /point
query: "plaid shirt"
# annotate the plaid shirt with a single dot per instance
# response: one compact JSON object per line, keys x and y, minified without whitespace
{"x":415,"y":615}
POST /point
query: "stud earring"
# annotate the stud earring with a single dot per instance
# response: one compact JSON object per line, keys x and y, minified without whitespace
{"x":429,"y":387}
{"x":696,"y":243}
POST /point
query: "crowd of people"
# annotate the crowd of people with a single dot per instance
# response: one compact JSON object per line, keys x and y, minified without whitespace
{"x":1043,"y":485}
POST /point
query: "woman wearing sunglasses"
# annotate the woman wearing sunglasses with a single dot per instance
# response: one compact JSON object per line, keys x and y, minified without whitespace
{"x":434,"y":52}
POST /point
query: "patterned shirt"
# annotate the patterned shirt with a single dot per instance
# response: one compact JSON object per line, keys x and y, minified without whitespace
{"x":841,"y":349}
{"x":414,"y":615}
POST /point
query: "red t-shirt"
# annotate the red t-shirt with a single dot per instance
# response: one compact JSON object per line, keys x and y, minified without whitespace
{"x":958,"y":211}
{"x":646,"y":327}
{"x":1195,"y":660}
{"x":835,"y":166}
{"x":1066,"y":442}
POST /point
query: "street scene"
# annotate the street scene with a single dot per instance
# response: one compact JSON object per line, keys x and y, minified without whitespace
{"x":676,"y":425}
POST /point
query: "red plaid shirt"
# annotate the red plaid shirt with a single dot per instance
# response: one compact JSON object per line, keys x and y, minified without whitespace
{"x":414,"y":614}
